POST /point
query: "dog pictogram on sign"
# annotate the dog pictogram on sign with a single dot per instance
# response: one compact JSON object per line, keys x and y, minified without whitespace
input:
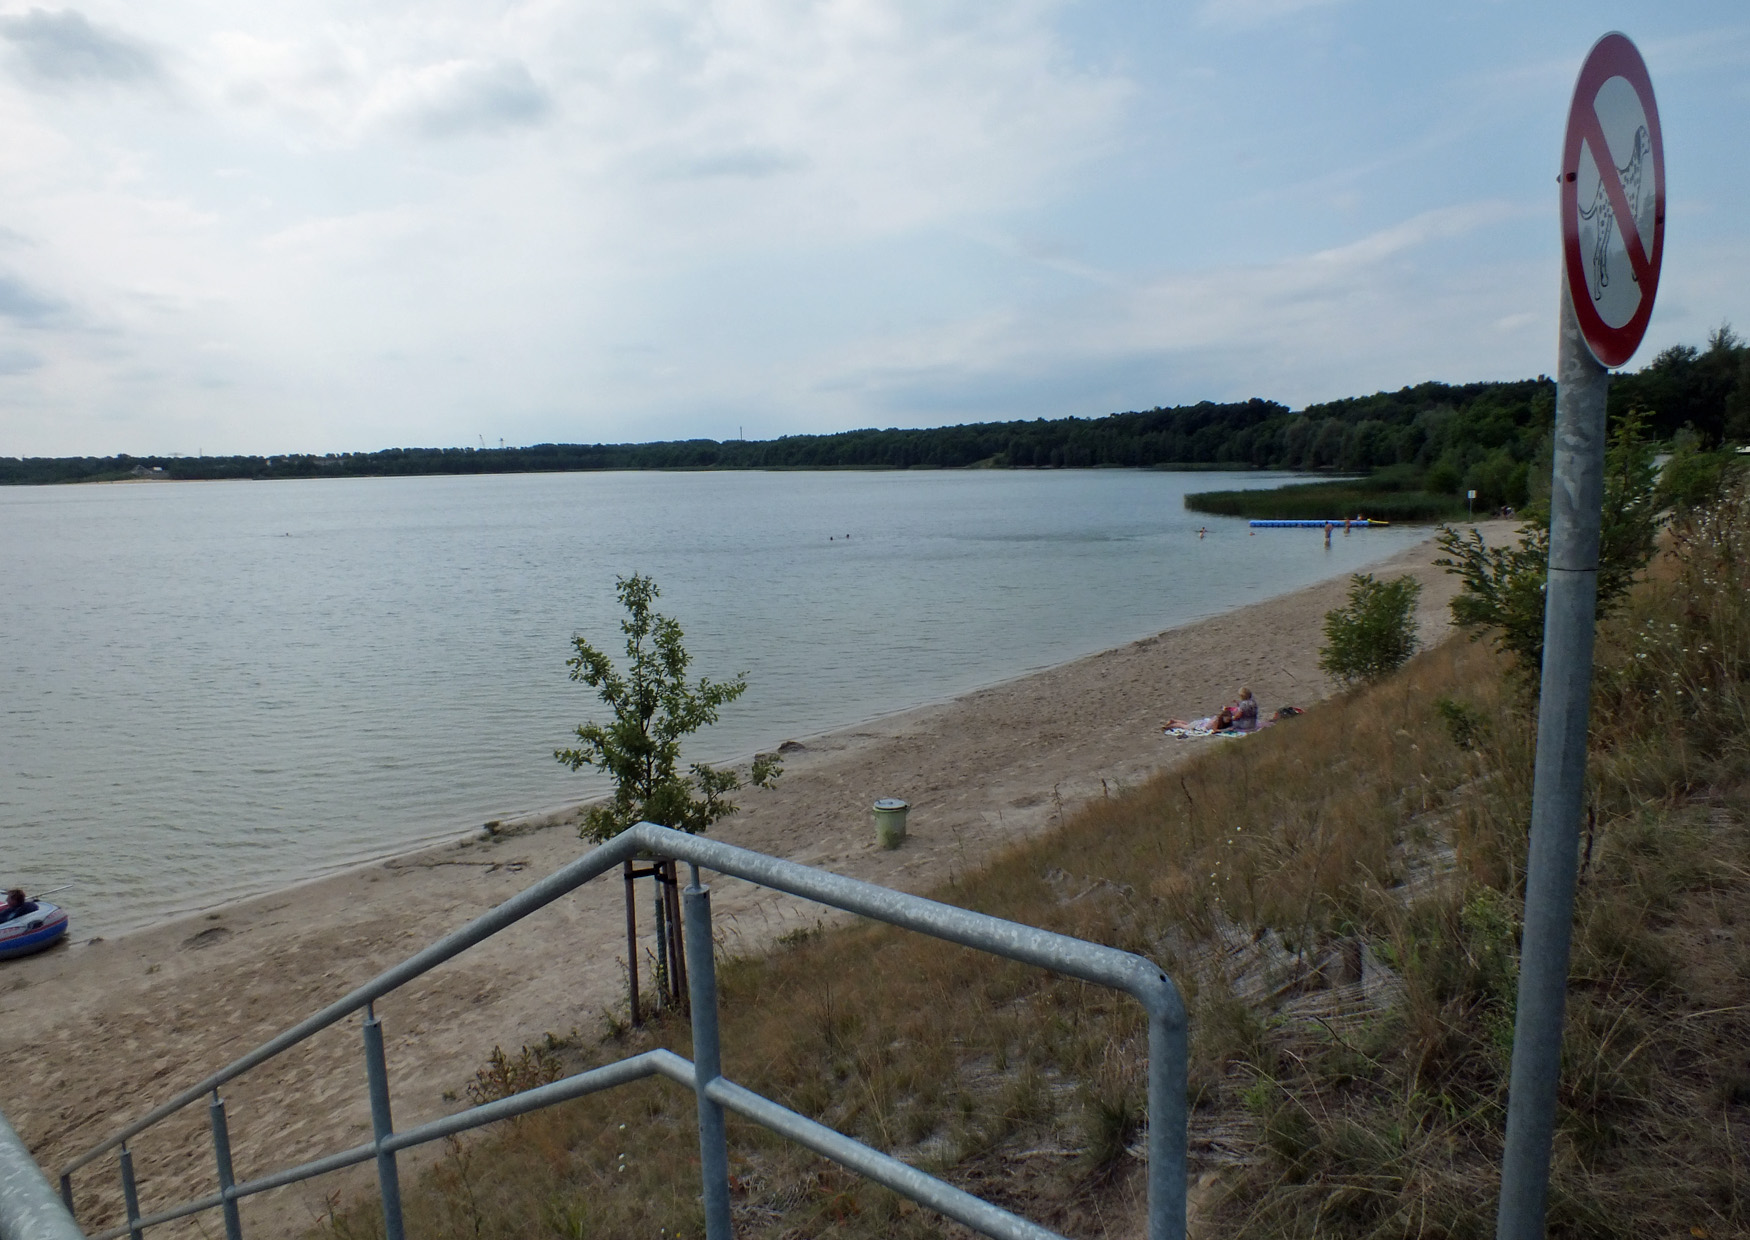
{"x":1613,"y":199}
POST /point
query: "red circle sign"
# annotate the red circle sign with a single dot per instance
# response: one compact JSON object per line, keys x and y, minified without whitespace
{"x":1613,"y":199}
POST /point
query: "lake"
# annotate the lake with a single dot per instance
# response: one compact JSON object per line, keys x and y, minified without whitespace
{"x":208,"y":690}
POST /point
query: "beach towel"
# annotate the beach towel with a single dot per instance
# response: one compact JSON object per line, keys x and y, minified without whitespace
{"x":1192,"y":733}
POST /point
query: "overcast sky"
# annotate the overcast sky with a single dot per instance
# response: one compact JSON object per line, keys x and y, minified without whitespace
{"x":328,"y":225}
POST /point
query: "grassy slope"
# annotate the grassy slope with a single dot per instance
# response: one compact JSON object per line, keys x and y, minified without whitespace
{"x":1338,"y":898}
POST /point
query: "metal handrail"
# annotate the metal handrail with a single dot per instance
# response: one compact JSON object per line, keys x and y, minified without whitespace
{"x":1107,"y":966}
{"x":29,"y":1209}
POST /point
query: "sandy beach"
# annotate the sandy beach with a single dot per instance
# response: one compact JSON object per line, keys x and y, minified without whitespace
{"x":97,"y":1033}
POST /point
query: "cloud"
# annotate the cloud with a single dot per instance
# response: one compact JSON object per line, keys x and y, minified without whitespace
{"x":15,"y":361}
{"x":64,"y":48}
{"x":462,"y":96}
{"x":750,"y":162}
{"x":24,"y":305}
{"x":1248,"y":14}
{"x":1298,"y":329}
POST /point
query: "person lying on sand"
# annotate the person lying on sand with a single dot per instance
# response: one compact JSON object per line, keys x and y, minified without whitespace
{"x":1221,"y":721}
{"x":1238,"y":716}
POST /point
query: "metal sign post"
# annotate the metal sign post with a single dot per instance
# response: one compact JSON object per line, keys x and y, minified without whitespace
{"x":1613,"y":225}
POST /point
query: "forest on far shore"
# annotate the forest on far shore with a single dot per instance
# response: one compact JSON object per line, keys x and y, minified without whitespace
{"x":1435,"y":438}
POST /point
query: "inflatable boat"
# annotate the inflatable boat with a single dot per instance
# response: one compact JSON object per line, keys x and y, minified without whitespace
{"x":32,"y":932}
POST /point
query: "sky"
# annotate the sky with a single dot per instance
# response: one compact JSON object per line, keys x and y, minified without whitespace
{"x":229,"y":226}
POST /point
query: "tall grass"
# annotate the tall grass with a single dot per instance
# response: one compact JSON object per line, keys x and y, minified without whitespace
{"x":1339,"y":896}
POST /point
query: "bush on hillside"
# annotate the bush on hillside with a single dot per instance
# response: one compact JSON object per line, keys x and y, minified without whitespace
{"x":1375,"y":634}
{"x":1502,"y":592}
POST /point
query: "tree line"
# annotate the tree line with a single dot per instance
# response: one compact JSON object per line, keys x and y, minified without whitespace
{"x":1492,"y":437}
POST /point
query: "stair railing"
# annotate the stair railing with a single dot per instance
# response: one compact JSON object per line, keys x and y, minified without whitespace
{"x":1092,"y":962}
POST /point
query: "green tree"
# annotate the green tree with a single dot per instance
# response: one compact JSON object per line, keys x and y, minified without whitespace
{"x":1375,"y":634}
{"x":1502,"y":590}
{"x":1737,"y":410}
{"x":1693,"y":478}
{"x":653,"y":709}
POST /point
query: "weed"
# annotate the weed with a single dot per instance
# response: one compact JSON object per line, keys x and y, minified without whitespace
{"x":505,"y":1075}
{"x":1465,"y":724}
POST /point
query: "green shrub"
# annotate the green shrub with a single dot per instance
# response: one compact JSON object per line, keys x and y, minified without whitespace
{"x":1503,"y":587}
{"x":1443,"y":477}
{"x":654,"y":708}
{"x":1375,"y":634}
{"x":1692,"y":478}
{"x":1465,"y":724}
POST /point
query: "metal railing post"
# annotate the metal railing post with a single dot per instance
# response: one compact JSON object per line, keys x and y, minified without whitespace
{"x":28,"y":1206}
{"x":130,"y":1194}
{"x":707,"y":1059}
{"x":1168,"y":1137}
{"x":222,"y":1156}
{"x":382,"y":1124}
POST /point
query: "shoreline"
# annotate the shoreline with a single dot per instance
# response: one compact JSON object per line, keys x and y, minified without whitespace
{"x":116,"y":1026}
{"x":195,"y":907}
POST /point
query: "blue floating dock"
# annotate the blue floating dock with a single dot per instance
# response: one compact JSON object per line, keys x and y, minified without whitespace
{"x":1312,"y":525}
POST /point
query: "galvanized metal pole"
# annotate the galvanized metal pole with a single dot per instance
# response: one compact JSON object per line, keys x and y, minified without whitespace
{"x":382,"y":1124}
{"x":707,"y":1060}
{"x":1559,"y":787}
{"x":131,"y":1195}
{"x":1169,"y":1054}
{"x":28,"y":1206}
{"x":222,"y":1156}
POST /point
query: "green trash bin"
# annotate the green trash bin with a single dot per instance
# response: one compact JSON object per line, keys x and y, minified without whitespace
{"x":890,"y":815}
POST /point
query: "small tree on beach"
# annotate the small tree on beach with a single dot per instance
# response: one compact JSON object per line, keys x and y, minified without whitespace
{"x":1375,"y":634}
{"x":653,"y":709}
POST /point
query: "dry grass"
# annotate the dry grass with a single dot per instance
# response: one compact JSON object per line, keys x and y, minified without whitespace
{"x":1339,"y":898}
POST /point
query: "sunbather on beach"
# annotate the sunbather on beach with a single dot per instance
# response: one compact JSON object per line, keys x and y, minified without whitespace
{"x":1238,"y":716}
{"x":1221,"y":721}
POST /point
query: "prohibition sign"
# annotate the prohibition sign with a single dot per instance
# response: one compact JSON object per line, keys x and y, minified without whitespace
{"x":1613,"y":199}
